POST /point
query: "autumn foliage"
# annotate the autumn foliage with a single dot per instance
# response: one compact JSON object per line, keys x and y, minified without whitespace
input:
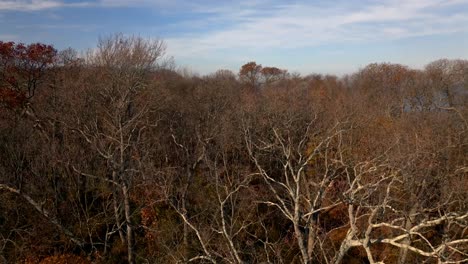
{"x":116,"y":157}
{"x":21,"y":68}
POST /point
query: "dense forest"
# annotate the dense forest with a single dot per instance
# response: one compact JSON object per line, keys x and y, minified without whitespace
{"x":114,"y":156}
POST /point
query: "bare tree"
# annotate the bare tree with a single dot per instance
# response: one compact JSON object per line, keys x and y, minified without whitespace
{"x":122,"y":65}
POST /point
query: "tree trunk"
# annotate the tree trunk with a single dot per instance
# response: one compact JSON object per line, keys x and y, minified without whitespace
{"x":186,"y":227}
{"x":115,"y":204}
{"x":128,"y":222}
{"x":311,"y":240}
{"x":407,"y":241}
{"x":298,"y":232}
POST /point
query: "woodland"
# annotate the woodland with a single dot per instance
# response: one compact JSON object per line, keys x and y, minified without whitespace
{"x":114,"y":156}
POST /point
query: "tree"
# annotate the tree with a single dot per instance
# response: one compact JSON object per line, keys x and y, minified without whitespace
{"x":255,"y":75}
{"x":448,"y":80}
{"x":21,"y":69}
{"x":272,"y":74}
{"x":122,"y":66}
{"x":250,"y":74}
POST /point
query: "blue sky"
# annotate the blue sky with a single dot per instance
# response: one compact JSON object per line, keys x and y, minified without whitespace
{"x":303,"y":36}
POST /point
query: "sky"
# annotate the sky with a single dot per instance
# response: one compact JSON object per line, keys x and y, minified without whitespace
{"x":315,"y":36}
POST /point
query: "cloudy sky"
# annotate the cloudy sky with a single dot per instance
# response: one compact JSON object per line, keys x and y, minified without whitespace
{"x":322,"y":36}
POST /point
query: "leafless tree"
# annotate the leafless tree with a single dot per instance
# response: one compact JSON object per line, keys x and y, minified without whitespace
{"x":122,"y":66}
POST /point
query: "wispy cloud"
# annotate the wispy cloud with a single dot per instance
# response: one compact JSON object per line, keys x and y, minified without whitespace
{"x":37,"y":5}
{"x":59,"y":26}
{"x":305,"y":25}
{"x":28,"y":5}
{"x":127,"y":3}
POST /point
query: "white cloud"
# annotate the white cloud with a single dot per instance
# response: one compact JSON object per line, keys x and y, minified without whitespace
{"x":36,"y":5}
{"x":140,"y":3}
{"x":305,"y":25}
{"x":29,"y":5}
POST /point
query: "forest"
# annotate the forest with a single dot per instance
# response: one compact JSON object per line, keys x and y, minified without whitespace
{"x":114,"y":156}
